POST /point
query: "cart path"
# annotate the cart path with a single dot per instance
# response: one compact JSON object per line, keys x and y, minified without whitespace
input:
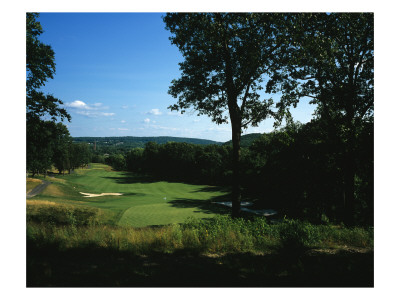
{"x":38,"y":189}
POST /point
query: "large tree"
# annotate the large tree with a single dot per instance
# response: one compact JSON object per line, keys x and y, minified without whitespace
{"x":226,"y":58}
{"x":331,"y":61}
{"x":40,"y":66}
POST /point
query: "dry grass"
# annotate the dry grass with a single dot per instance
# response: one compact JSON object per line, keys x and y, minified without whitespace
{"x":33,"y":180}
{"x":58,"y":180}
{"x":47,"y":212}
{"x":39,"y":202}
{"x":53,"y":190}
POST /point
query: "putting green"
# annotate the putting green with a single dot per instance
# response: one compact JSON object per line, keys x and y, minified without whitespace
{"x":143,"y":202}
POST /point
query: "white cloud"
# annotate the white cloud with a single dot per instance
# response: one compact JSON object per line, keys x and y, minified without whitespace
{"x":89,"y":110}
{"x":155,"y":111}
{"x":123,"y":129}
{"x":78,"y":104}
{"x":123,"y":121}
{"x":147,"y":120}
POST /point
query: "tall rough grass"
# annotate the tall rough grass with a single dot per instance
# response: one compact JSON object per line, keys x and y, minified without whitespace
{"x":219,"y":235}
{"x":52,"y":213}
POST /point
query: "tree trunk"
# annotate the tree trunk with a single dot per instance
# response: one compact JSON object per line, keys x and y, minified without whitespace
{"x":236,"y":194}
{"x":235,"y":115}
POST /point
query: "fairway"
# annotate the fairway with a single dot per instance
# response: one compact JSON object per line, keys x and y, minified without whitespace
{"x":144,"y":202}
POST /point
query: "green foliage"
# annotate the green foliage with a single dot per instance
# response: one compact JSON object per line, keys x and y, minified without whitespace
{"x":42,"y":144}
{"x":123,"y":144}
{"x":63,"y":214}
{"x":302,"y":157}
{"x":225,"y":58}
{"x":331,"y":62}
{"x":43,"y":137}
{"x":62,"y":143}
{"x":40,"y":66}
{"x":246,"y":140}
{"x":79,"y":155}
{"x":218,"y":235}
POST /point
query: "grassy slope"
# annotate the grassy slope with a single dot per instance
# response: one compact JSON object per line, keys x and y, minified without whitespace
{"x":32,"y":183}
{"x":142,"y":203}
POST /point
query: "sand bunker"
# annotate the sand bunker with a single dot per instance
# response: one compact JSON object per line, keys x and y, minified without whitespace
{"x":88,"y":195}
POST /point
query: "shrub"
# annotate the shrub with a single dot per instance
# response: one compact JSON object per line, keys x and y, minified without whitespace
{"x":63,"y":214}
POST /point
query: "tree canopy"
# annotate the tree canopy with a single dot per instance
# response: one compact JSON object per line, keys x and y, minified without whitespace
{"x":43,"y":135}
{"x":331,"y":61}
{"x":40,"y":66}
{"x":226,"y":59}
{"x":229,"y":58}
{"x":226,"y":56}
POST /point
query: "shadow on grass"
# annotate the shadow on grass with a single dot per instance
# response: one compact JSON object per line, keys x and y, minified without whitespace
{"x":93,"y":267}
{"x":205,"y":206}
{"x":200,"y":206}
{"x":129,"y":178}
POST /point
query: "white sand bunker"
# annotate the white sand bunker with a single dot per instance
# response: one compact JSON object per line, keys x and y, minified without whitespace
{"x":88,"y":195}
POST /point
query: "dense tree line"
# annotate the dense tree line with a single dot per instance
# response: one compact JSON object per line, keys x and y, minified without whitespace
{"x":122,"y":144}
{"x":297,"y":170}
{"x":178,"y":161}
{"x":51,"y":145}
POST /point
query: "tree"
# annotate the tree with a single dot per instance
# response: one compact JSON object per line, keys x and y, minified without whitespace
{"x":134,"y":160}
{"x":39,"y":141}
{"x":62,"y":144}
{"x":40,"y":66}
{"x":226,"y":58}
{"x":332,"y":61}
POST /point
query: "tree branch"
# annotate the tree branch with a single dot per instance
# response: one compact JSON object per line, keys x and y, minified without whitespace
{"x":245,"y":98}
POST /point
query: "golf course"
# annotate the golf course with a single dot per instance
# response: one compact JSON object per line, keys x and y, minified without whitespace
{"x":193,"y":149}
{"x":100,"y":227}
{"x":142,"y":201}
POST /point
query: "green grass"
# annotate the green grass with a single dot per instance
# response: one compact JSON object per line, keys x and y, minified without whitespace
{"x":142,"y":203}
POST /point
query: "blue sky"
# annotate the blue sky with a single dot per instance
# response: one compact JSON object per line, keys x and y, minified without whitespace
{"x":113,"y":71}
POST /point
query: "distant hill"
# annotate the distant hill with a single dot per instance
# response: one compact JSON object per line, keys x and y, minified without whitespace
{"x":124,"y":142}
{"x":246,"y":140}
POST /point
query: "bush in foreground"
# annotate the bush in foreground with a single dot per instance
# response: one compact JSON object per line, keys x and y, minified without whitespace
{"x":218,"y":235}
